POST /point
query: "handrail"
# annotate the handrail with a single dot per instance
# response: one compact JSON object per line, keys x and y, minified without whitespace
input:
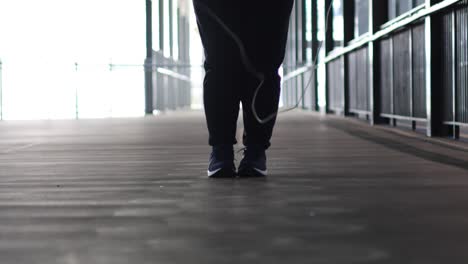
{"x":394,"y":26}
{"x":157,"y":67}
{"x":298,"y":72}
{"x":407,"y":14}
{"x":173,"y":74}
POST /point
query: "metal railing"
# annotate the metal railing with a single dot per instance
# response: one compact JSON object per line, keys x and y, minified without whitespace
{"x":403,"y":73}
{"x":299,"y":83}
{"x":455,"y":65}
{"x":82,"y":90}
{"x":299,"y":88}
{"x":171,"y":83}
{"x":335,"y":81}
{"x":412,"y":68}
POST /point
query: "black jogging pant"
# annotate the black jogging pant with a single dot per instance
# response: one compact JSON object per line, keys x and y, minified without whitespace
{"x":262,"y":26}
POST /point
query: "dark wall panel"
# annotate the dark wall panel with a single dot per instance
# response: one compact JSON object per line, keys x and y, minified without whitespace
{"x":462,"y":61}
{"x":402,"y":73}
{"x":447,"y":65}
{"x":352,"y":80}
{"x":362,"y":79}
{"x":385,"y":76}
{"x":335,"y":84}
{"x":309,"y":95}
{"x":357,"y":76}
{"x":419,"y":71}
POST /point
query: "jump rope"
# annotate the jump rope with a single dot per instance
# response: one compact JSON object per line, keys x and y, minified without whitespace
{"x":254,"y":72}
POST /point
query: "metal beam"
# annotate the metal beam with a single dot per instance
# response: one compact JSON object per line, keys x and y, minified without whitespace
{"x":455,"y":130}
{"x":348,"y":35}
{"x":378,"y":10}
{"x":149,"y":59}
{"x":434,"y":86}
{"x":161,"y":24}
{"x":171,"y":27}
{"x":315,"y":53}
{"x":328,"y":44}
{"x":329,"y":25}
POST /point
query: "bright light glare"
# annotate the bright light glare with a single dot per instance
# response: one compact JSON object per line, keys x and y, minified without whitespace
{"x":42,"y":40}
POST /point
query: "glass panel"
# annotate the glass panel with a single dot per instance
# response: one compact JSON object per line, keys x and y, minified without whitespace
{"x":175,"y":30}
{"x":321,"y":20}
{"x":321,"y":13}
{"x":399,"y":7}
{"x":155,"y":24}
{"x":361,"y":17}
{"x":166,"y":34}
{"x":308,"y":34}
{"x":419,"y":2}
{"x":392,"y":12}
{"x":403,"y":6}
{"x":338,"y":23}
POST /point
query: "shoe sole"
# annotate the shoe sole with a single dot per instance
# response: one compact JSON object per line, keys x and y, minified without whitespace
{"x":223,"y":173}
{"x":252,"y":173}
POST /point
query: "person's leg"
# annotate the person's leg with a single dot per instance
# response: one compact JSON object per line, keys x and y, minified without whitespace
{"x":222,"y":80}
{"x":266,"y":104}
{"x":266,"y":31}
{"x":223,"y":68}
{"x":265,"y":40}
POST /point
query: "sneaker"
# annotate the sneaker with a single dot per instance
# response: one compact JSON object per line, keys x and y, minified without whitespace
{"x":254,"y":163}
{"x":222,"y":162}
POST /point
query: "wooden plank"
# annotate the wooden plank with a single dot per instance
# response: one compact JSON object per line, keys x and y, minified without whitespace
{"x":135,"y":191}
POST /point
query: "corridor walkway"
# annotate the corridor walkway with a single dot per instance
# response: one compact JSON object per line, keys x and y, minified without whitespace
{"x":135,"y":191}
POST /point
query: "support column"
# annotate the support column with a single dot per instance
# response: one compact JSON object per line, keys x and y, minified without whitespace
{"x":454,"y":130}
{"x":348,"y":35}
{"x":434,"y":86}
{"x":378,"y":14}
{"x":149,"y":60}
{"x":328,"y":45}
{"x":304,"y":30}
{"x":300,"y":29}
{"x":161,"y":80}
{"x":171,"y":29}
{"x":293,"y":64}
{"x":161,"y":24}
{"x":315,"y":54}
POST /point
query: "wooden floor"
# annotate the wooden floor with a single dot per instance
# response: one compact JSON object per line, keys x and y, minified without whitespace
{"x":135,"y":191}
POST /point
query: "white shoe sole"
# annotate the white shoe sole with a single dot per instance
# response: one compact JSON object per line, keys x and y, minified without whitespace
{"x":211,"y":173}
{"x":263,"y":172}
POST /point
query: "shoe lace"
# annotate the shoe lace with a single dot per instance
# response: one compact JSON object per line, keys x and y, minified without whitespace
{"x":250,"y":153}
{"x":244,"y":149}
